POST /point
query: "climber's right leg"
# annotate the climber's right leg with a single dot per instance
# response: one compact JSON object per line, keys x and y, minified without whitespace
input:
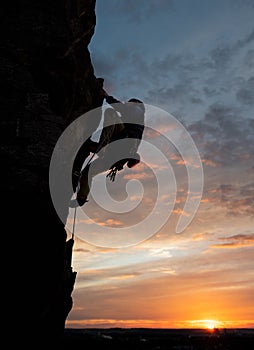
{"x":98,"y":166}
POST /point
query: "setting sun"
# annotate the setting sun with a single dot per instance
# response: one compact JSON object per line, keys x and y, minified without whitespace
{"x":210,"y":324}
{"x":206,"y":324}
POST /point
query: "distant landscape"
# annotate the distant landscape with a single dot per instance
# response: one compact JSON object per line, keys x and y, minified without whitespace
{"x":159,"y":339}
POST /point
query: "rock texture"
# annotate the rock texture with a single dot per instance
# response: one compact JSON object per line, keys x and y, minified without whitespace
{"x":47,"y":81}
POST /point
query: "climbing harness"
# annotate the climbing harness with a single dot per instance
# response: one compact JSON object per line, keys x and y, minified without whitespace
{"x":74,"y":221}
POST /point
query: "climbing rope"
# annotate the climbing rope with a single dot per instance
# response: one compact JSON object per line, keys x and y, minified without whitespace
{"x":74,"y":221}
{"x":87,"y":164}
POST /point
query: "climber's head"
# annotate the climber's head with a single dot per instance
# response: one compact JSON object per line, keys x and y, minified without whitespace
{"x":135,"y":100}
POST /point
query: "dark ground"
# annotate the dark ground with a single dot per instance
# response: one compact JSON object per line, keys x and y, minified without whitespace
{"x":159,"y":339}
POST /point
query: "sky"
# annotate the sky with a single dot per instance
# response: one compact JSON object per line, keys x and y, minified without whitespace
{"x":192,"y":63}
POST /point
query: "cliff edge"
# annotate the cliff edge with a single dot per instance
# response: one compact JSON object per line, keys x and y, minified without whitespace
{"x":47,"y":81}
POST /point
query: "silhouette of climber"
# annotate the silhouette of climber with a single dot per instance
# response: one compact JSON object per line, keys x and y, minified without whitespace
{"x":115,"y":127}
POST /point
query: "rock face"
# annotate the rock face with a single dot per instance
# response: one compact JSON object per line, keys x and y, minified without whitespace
{"x":47,"y":81}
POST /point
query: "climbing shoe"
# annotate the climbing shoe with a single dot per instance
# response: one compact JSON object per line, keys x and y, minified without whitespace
{"x":133,"y":161}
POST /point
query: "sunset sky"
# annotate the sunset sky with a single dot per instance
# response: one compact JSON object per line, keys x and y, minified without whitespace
{"x":193,"y":59}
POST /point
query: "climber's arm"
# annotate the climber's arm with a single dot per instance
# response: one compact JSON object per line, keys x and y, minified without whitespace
{"x":111,"y":100}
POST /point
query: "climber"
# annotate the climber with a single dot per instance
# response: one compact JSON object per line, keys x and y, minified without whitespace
{"x":129,"y":125}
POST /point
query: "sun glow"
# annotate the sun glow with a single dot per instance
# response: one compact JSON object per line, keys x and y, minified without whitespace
{"x":206,"y":324}
{"x":210,"y":325}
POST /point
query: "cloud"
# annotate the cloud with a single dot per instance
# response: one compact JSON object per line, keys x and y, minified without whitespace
{"x":245,"y":94}
{"x":161,"y":252}
{"x":138,"y":176}
{"x":105,"y":276}
{"x":137,"y":11}
{"x":196,"y":78}
{"x":224,"y":136}
{"x":223,"y":55}
{"x":232,"y":199}
{"x":107,"y":222}
{"x":141,"y":262}
{"x":112,"y":223}
{"x":236,"y":241}
{"x":124,"y":283}
{"x":209,"y":162}
{"x":81,"y":250}
{"x":249,"y":59}
{"x":182,"y":80}
{"x":180,"y":212}
{"x":202,"y":291}
{"x":125,"y":276}
{"x":238,"y":200}
{"x":200,"y":236}
{"x":187,"y":82}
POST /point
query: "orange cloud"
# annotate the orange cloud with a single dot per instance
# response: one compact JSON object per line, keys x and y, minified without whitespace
{"x":135,"y":198}
{"x":209,"y":162}
{"x":118,"y":293}
{"x":179,"y":211}
{"x":190,"y":162}
{"x":236,"y":241}
{"x":138,"y":176}
{"x":201,"y":236}
{"x":207,"y":295}
{"x":205,"y":200}
{"x":111,"y":222}
{"x":124,"y":277}
{"x":140,"y":167}
{"x":107,"y":222}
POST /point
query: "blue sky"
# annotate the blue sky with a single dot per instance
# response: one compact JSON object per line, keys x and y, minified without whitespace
{"x":183,"y":55}
{"x":195,"y":60}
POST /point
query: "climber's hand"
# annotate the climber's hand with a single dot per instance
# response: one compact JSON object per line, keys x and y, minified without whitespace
{"x":104,"y":93}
